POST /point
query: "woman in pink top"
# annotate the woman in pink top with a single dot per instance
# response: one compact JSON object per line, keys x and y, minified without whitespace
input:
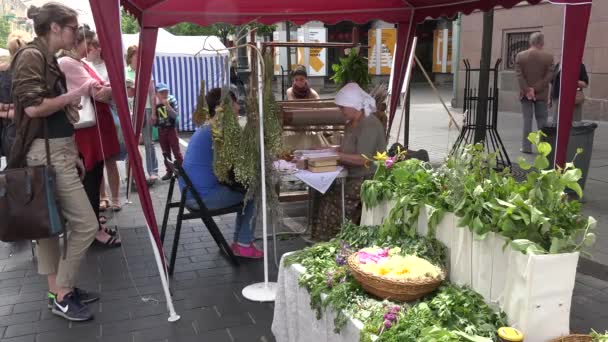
{"x":99,"y":142}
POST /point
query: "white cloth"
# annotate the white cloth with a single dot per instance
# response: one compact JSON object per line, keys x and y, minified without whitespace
{"x":351,"y":95}
{"x":295,"y":321}
{"x":320,"y":181}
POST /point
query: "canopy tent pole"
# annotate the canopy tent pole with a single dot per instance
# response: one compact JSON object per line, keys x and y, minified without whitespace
{"x":109,"y":32}
{"x":576,"y":21}
{"x":405,"y":113}
{"x":143,"y":74}
{"x":266,"y":291}
{"x":406,"y":31}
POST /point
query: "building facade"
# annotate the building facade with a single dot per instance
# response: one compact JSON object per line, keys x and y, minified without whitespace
{"x":512,"y":29}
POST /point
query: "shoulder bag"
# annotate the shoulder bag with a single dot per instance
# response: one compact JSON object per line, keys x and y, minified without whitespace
{"x":28,"y":203}
{"x":88,"y":117}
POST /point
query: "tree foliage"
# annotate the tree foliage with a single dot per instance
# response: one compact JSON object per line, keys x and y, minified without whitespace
{"x":5,"y":30}
{"x":128,"y":23}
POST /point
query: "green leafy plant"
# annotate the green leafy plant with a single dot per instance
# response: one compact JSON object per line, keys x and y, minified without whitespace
{"x":597,"y":337}
{"x":352,"y":68}
{"x":538,"y":216}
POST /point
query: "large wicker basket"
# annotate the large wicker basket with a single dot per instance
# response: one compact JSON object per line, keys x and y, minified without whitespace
{"x":573,"y":338}
{"x":397,"y":290}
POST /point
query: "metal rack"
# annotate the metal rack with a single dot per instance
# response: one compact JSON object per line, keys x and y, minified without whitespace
{"x":493,"y":142}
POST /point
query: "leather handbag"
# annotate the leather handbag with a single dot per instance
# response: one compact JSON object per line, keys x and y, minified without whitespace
{"x":580,"y":96}
{"x":28,"y":203}
{"x":87,"y":115}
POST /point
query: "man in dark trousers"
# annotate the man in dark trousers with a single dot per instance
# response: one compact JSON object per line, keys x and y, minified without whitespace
{"x":534,"y":69}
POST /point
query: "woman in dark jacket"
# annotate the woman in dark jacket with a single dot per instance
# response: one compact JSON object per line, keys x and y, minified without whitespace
{"x":583,"y":82}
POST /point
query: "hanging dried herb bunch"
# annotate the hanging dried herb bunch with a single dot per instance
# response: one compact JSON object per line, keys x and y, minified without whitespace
{"x":201,"y":113}
{"x":238,"y":150}
{"x":226,"y":140}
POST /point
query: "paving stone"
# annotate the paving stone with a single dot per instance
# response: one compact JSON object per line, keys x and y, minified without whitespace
{"x":19,"y":318}
{"x":6,"y":310}
{"x":26,"y":338}
{"x":27,"y":307}
{"x":12,"y":274}
{"x":251,"y":333}
{"x":76,"y":333}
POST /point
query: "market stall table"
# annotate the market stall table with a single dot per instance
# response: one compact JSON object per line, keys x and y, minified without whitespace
{"x":315,"y":181}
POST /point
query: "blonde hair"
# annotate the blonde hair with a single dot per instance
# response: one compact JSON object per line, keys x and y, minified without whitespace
{"x":16,"y":40}
{"x":131,"y":50}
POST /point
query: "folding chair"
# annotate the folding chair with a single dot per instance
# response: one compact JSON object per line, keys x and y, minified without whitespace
{"x":203,"y":213}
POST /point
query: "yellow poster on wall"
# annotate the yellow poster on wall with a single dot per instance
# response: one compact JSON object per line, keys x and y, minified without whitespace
{"x":442,"y":51}
{"x":381,"y":50}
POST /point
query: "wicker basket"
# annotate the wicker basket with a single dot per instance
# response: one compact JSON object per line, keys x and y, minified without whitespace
{"x":574,"y":338}
{"x":398,"y":290}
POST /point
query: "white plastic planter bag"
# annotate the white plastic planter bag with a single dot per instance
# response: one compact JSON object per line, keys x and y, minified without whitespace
{"x":460,"y":255}
{"x":445,"y":230}
{"x":376,"y":215}
{"x":488,"y":266}
{"x":482,"y":264}
{"x":500,"y":264}
{"x":538,"y":294}
{"x":422,"y":227}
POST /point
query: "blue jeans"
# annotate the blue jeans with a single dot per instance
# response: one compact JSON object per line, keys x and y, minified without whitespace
{"x":151,"y":161}
{"x":224,"y":197}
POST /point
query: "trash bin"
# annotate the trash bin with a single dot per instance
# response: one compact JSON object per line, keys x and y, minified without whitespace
{"x":581,"y":136}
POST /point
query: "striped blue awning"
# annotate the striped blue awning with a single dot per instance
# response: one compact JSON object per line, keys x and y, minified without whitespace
{"x":183,"y":75}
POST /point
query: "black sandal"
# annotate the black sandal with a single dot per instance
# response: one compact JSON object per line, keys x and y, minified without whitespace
{"x":109,"y":231}
{"x":113,"y":241}
{"x":113,"y":238}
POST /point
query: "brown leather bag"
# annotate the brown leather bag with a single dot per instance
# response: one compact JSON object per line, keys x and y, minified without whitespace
{"x":28,"y":203}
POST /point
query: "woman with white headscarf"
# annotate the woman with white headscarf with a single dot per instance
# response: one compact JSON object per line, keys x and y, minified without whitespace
{"x":364,"y":136}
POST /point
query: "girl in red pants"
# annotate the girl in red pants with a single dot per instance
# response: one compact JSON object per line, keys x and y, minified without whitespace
{"x":166,"y":117}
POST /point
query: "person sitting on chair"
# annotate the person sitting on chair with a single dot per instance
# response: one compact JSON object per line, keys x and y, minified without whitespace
{"x":300,"y":89}
{"x":198,"y":165}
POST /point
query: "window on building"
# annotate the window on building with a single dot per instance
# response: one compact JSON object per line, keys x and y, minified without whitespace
{"x":516,"y":42}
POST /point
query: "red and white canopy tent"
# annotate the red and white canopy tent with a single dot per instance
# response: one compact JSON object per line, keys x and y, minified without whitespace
{"x":153,"y":14}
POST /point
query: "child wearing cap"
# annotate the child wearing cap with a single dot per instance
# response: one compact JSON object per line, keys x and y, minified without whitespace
{"x":166,"y":117}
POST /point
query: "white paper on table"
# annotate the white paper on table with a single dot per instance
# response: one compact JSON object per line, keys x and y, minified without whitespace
{"x":285,"y":166}
{"x":320,"y":181}
{"x":309,"y":154}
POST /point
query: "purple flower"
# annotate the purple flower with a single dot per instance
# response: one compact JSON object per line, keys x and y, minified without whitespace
{"x":390,"y":162}
{"x":390,"y":317}
{"x":388,"y":324}
{"x":395,"y":309}
{"x":340,"y":259}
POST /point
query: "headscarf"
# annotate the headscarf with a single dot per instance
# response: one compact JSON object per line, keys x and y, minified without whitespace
{"x":351,"y":95}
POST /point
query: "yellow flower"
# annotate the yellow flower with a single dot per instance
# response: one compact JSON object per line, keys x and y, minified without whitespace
{"x":381,"y":156}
